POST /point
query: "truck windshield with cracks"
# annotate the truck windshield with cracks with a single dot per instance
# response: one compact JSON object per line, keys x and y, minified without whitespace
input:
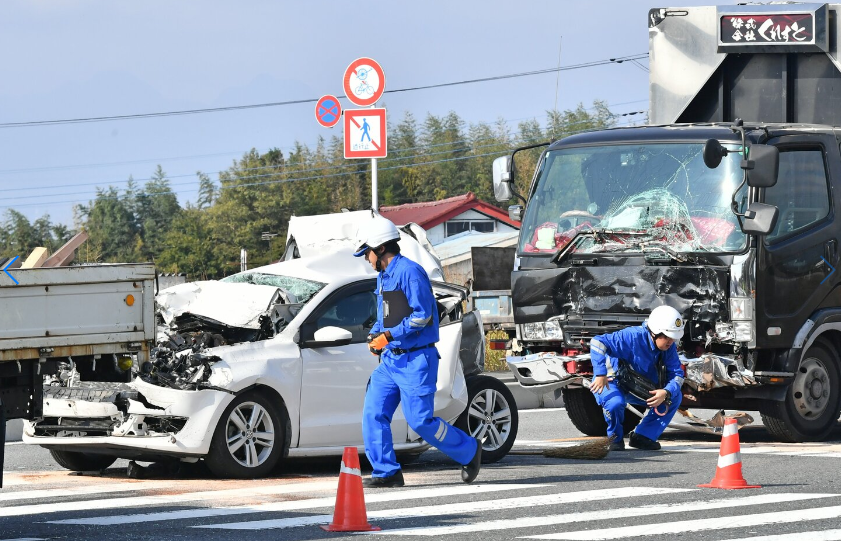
{"x":722,"y":208}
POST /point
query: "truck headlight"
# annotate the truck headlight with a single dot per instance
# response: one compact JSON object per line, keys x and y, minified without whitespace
{"x":743,"y":331}
{"x":553,"y":331}
{"x":549,"y":330}
{"x":741,"y":309}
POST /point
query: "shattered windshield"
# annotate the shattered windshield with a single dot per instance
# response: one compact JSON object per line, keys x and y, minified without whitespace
{"x":302,"y":290}
{"x":630,"y":198}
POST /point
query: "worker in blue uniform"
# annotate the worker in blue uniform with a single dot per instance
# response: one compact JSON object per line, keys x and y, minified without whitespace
{"x":650,"y":351}
{"x":404,"y":336}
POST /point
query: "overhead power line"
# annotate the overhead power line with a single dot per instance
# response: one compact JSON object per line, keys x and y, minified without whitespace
{"x":35,"y":123}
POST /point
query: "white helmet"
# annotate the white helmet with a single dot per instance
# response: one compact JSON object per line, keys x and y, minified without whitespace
{"x":666,"y":320}
{"x":374,"y":234}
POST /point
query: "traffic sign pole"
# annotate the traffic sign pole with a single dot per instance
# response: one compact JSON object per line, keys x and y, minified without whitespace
{"x":374,"y":184}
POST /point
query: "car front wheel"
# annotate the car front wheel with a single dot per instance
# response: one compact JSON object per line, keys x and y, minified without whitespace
{"x":491,"y":416}
{"x":249,"y":439}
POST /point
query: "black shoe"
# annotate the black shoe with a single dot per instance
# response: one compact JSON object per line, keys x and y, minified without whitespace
{"x":617,"y":445}
{"x":470,"y":470}
{"x":395,"y":480}
{"x":641,"y":442}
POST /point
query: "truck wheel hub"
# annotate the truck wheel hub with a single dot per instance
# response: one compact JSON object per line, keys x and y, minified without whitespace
{"x":811,"y":388}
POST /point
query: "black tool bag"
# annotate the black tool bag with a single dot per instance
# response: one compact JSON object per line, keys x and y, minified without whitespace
{"x":635,"y":384}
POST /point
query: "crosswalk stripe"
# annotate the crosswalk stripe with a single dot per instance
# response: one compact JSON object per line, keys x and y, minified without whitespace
{"x":137,"y":501}
{"x":825,"y":535}
{"x":313,"y":503}
{"x":624,"y":512}
{"x":92,"y":489}
{"x":456,"y":508}
{"x":698,"y":525}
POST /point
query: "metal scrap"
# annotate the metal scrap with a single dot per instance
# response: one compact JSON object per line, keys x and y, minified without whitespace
{"x":710,"y":371}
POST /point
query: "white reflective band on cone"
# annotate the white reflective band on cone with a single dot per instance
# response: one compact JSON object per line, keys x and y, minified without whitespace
{"x":729,"y":460}
{"x":731,"y":430}
{"x":350,"y":471}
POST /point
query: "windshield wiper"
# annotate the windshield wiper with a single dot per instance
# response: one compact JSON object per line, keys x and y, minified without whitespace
{"x":652,"y":251}
{"x":599,"y":235}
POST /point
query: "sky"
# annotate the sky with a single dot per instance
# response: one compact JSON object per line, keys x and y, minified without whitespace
{"x":75,"y":59}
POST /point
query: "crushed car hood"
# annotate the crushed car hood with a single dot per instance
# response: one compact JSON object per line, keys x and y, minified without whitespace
{"x":232,"y":304}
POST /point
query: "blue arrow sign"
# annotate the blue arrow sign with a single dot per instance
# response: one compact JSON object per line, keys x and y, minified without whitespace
{"x":830,"y":273}
{"x":6,"y":270}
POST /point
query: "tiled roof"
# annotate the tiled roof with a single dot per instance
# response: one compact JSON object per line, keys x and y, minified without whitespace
{"x":431,"y":213}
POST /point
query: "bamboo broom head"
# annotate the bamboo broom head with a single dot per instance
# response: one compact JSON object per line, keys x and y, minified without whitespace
{"x":592,"y":449}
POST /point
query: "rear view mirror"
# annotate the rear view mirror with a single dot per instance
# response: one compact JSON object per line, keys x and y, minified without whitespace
{"x":763,"y":165}
{"x":713,"y":153}
{"x":760,"y":219}
{"x":502,"y":179}
{"x":515,"y":212}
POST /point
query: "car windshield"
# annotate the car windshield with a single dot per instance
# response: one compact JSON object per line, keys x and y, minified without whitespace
{"x":302,"y":290}
{"x":633,"y":197}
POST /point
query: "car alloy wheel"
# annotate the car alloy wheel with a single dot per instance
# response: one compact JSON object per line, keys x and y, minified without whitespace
{"x":250,"y":434}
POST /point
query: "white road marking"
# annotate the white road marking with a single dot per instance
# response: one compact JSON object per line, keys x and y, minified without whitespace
{"x":542,"y":410}
{"x":456,"y":508}
{"x":825,"y":535}
{"x":313,"y":503}
{"x":699,"y":525}
{"x":625,"y":512}
{"x":91,"y":489}
{"x":138,"y":501}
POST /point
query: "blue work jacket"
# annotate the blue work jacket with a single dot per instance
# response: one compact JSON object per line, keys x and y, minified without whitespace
{"x":420,"y":328}
{"x":635,"y":346}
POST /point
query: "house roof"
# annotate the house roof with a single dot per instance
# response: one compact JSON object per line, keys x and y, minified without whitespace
{"x":457,"y":247}
{"x":431,"y":213}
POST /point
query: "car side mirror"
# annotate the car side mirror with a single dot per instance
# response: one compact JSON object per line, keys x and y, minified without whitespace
{"x":329,"y":337}
{"x":762,"y":165}
{"x":760,"y":219}
{"x":502,"y":179}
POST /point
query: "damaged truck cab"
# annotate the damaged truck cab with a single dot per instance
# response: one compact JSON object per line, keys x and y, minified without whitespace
{"x":723,"y":208}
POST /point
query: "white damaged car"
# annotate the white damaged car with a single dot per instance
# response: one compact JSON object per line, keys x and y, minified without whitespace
{"x":262,"y":365}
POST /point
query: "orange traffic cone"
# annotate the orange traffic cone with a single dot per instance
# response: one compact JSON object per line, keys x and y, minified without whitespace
{"x":728,"y":473}
{"x":349,"y":514}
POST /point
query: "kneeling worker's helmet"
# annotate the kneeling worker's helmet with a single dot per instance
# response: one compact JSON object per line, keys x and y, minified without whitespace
{"x":374,"y":234}
{"x":666,"y":320}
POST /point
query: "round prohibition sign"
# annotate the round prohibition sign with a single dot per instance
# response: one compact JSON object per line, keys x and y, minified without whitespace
{"x":364,"y":82}
{"x":328,"y":111}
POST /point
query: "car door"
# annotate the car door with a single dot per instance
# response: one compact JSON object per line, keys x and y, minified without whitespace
{"x":334,"y":379}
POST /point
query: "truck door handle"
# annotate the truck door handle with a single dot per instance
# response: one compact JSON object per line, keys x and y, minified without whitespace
{"x":830,"y":251}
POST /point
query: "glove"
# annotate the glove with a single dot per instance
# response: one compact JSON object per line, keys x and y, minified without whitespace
{"x":377,"y":342}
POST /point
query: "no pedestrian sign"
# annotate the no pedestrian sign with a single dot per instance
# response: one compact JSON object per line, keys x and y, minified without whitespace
{"x":364,"y":82}
{"x":328,"y":111}
{"x":365,"y":133}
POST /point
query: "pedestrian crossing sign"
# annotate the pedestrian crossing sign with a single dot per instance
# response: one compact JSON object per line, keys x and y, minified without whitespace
{"x":365,"y":133}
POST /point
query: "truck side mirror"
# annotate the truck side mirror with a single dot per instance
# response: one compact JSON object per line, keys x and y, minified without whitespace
{"x":502,"y":179}
{"x":760,"y":219}
{"x":762,"y":165}
{"x":713,"y":153}
{"x":515,"y":212}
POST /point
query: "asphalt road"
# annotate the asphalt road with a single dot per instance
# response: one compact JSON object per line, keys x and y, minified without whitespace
{"x":628,"y":495}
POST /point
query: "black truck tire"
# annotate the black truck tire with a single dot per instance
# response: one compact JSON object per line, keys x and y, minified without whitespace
{"x":812,"y":402}
{"x":492,"y":411}
{"x":251,"y":455}
{"x":76,"y":461}
{"x":587,"y":416}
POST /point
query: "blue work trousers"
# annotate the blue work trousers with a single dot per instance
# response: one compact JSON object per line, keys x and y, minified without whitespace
{"x":612,"y":401}
{"x":381,"y":402}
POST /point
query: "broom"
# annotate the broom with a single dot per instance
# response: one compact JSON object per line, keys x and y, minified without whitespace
{"x":591,"y":449}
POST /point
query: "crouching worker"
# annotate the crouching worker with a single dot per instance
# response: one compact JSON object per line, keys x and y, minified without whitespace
{"x":404,"y":336}
{"x":639,"y":365}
